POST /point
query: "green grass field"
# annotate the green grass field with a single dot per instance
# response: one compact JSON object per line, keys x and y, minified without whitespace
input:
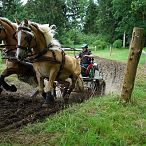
{"x":100,"y":121}
{"x":117,"y":54}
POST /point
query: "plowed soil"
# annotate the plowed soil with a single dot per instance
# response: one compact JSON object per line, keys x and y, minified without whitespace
{"x":18,"y":109}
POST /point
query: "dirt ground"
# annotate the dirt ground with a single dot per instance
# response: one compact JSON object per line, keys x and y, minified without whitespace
{"x":18,"y":109}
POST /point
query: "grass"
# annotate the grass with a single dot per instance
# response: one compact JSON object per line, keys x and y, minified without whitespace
{"x":100,"y":121}
{"x":117,"y":54}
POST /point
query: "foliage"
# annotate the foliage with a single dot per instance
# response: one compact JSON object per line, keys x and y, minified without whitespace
{"x":100,"y":44}
{"x":76,"y":11}
{"x":117,"y":43}
{"x":12,"y":9}
{"x":44,"y":11}
{"x":90,"y":25}
{"x":110,"y":18}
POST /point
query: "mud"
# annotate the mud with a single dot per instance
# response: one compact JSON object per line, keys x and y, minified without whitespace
{"x":18,"y":109}
{"x":112,"y":72}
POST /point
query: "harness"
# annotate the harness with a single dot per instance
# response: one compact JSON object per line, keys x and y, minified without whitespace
{"x":40,"y":57}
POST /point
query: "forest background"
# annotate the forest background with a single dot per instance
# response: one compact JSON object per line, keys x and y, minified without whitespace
{"x":100,"y":23}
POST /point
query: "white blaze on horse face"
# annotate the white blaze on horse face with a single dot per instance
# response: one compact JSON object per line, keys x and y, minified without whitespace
{"x":19,"y":43}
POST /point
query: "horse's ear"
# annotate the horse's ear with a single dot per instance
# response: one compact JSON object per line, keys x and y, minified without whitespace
{"x":17,"y":21}
{"x":26,"y":22}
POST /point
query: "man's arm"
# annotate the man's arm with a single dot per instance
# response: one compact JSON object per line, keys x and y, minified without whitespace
{"x":90,"y":56}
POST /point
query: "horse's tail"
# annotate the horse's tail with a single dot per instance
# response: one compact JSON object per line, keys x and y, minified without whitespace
{"x":79,"y":84}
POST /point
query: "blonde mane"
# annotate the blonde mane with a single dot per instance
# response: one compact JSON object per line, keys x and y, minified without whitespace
{"x":49,"y":33}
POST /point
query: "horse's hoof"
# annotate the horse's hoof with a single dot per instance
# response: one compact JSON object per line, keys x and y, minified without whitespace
{"x":13,"y":88}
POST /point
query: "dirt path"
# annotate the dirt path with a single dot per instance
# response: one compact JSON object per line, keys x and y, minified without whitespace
{"x":18,"y":109}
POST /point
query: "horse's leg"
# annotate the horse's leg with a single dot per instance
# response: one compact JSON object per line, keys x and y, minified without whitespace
{"x":50,"y":86}
{"x":65,"y":92}
{"x":7,"y":72}
{"x":54,"y":87}
{"x":41,"y":85}
{"x":74,"y":79}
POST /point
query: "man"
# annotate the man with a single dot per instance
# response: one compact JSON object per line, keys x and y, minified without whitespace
{"x":86,"y":58}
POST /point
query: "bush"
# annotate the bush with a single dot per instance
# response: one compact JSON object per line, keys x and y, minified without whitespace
{"x":117,"y":43}
{"x":100,"y":44}
{"x":66,"y":42}
{"x":74,"y":37}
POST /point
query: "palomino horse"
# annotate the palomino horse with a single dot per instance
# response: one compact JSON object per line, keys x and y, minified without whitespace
{"x":24,"y":71}
{"x":48,"y":60}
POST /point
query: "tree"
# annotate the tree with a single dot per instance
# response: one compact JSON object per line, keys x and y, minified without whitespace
{"x":44,"y":11}
{"x":105,"y":20}
{"x":124,"y":18}
{"x":90,"y":18}
{"x":132,"y":14}
{"x":12,"y":9}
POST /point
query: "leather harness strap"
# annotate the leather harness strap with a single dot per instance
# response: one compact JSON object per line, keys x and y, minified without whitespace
{"x":62,"y":64}
{"x":39,"y":57}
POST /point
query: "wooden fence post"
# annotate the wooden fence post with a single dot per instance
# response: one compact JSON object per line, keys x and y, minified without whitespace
{"x":136,"y":46}
{"x":111,"y":50}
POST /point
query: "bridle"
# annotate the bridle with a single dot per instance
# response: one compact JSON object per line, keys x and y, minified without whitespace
{"x":28,"y":38}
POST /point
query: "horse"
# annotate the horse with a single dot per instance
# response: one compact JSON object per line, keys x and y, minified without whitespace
{"x":24,"y":70}
{"x":48,"y":59}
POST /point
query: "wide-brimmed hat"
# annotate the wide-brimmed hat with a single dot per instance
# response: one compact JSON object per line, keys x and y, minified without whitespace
{"x":84,"y":46}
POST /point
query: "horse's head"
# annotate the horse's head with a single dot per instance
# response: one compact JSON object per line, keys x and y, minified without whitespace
{"x":26,"y":40}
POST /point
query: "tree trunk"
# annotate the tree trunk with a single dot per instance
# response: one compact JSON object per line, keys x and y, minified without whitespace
{"x":136,"y":46}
